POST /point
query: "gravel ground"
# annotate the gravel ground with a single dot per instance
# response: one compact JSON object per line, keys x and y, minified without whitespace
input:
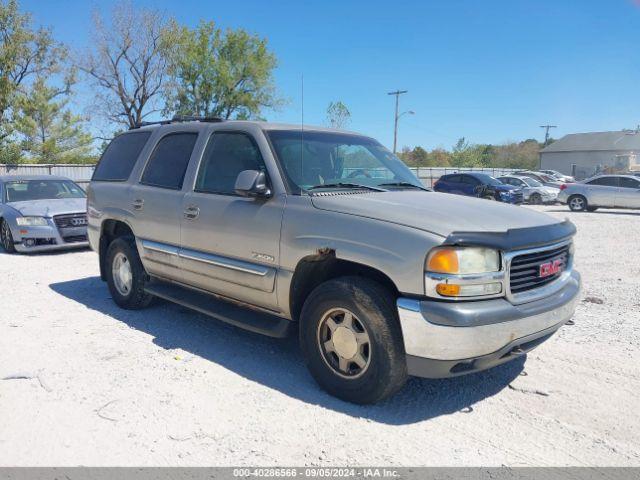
{"x":85,"y":383}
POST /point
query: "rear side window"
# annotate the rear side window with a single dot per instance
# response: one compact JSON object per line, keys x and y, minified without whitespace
{"x":605,"y":181}
{"x":469,"y":180}
{"x":227,"y":154}
{"x":169,"y":161}
{"x":629,"y":183}
{"x":118,"y":160}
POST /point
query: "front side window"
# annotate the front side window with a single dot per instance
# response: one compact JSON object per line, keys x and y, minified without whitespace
{"x":169,"y":161}
{"x":486,"y":179}
{"x":313,"y":159}
{"x":532,"y":182}
{"x":25,"y":190}
{"x":227,"y":154}
{"x":118,"y":159}
{"x":629,"y":182}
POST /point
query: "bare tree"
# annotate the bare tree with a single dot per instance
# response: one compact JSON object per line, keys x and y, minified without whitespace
{"x":127,"y":64}
{"x":338,"y":115}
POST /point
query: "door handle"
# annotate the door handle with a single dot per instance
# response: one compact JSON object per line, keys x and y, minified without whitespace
{"x":191,"y":212}
{"x":138,"y":203}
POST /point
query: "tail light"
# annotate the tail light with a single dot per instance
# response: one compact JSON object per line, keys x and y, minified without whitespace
{"x":563,"y":186}
{"x":435,"y":183}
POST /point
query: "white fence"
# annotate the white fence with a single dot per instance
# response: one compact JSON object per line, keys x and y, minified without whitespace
{"x":82,"y":173}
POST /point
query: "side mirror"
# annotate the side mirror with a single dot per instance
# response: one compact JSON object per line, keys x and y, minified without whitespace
{"x":252,"y":183}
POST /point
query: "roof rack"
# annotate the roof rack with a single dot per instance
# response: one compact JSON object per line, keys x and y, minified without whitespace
{"x":179,"y":119}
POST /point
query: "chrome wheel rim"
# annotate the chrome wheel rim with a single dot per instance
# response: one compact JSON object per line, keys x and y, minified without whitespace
{"x":577,"y":203}
{"x":344,"y":343}
{"x":122,"y":274}
{"x":6,"y":236}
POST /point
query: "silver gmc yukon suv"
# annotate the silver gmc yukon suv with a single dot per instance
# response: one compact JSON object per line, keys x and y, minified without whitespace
{"x":274,"y":228}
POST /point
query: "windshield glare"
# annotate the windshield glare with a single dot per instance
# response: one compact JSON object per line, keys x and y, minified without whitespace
{"x":488,"y":179}
{"x":25,"y":190}
{"x":532,"y":182}
{"x":329,"y":158}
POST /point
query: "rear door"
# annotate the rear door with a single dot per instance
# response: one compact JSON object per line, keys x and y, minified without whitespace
{"x":469,"y":185}
{"x":156,"y":203}
{"x":230,"y":243}
{"x":602,"y":191}
{"x":628,"y":195}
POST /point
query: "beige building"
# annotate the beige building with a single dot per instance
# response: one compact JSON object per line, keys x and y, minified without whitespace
{"x":585,"y":154}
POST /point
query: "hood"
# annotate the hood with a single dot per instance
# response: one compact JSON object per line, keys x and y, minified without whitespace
{"x":439,"y":213}
{"x":50,"y":207}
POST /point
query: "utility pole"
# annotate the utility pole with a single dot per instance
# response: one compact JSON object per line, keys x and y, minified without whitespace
{"x":546,"y":132}
{"x":397,"y":93}
{"x":546,"y":140}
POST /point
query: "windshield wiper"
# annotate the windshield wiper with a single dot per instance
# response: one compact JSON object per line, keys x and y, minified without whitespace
{"x":403,"y":184}
{"x":345,"y":185}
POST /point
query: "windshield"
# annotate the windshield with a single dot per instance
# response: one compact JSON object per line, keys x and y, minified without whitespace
{"x":24,"y":190}
{"x":532,"y":182}
{"x":488,"y":179}
{"x":331,"y":158}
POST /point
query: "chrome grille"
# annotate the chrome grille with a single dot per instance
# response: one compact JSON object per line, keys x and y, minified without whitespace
{"x":73,"y":220}
{"x":525,"y":270}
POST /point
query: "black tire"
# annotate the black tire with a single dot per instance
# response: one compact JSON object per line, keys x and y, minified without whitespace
{"x":535,"y":199}
{"x":489,"y":197}
{"x":591,"y":209}
{"x":135,"y":298}
{"x":6,"y":238}
{"x":374,"y":309}
{"x":577,"y":203}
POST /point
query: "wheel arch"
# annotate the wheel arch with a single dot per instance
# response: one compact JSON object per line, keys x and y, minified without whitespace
{"x":313,"y":270}
{"x":111,"y":229}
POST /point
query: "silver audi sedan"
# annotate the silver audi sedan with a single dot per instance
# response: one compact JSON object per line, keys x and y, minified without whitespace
{"x":608,"y":191}
{"x":41,"y":212}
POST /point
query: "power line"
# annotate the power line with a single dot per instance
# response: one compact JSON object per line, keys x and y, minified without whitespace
{"x":397,"y":93}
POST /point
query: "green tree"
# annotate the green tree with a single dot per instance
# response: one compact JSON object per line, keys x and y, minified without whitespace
{"x":25,"y":52}
{"x":49,"y":131}
{"x":221,"y":74}
{"x":338,"y":115}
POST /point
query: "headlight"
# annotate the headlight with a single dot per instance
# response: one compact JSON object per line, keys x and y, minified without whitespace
{"x":31,"y":221}
{"x":457,"y":272}
{"x":463,"y":260}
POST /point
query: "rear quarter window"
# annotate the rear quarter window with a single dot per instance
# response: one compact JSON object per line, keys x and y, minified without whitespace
{"x":118,"y":160}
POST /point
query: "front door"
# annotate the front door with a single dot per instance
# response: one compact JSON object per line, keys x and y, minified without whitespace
{"x":156,"y":203}
{"x":628,"y":195}
{"x":230,"y":243}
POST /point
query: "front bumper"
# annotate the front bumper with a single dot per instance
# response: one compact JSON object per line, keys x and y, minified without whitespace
{"x":50,"y":234}
{"x":445,"y":339}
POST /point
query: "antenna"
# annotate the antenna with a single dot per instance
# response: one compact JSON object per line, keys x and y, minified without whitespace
{"x":302,"y":125}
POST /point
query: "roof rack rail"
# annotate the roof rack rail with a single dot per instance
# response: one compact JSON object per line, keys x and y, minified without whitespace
{"x":179,"y":119}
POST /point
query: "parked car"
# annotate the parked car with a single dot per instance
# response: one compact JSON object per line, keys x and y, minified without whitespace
{"x":383,"y":277}
{"x":534,"y":192}
{"x":559,"y":176}
{"x":543,"y":178}
{"x":40,"y":213}
{"x":609,"y":191}
{"x":478,"y":185}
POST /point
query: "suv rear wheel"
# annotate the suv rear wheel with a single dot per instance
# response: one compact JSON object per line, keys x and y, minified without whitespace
{"x":126,"y":275}
{"x":351,"y":340}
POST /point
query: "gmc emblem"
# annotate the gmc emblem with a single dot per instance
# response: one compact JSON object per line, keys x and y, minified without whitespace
{"x":550,"y":268}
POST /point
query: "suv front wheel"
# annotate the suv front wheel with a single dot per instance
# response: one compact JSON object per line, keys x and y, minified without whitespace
{"x":126,"y":275}
{"x":351,"y":340}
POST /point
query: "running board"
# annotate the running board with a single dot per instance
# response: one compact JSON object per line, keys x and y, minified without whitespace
{"x":246,"y":318}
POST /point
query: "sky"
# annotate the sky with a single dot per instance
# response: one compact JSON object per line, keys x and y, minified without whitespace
{"x":490,"y":71}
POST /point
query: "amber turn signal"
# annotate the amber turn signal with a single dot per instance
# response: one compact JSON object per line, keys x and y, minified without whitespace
{"x":443,"y":260}
{"x":448,"y":290}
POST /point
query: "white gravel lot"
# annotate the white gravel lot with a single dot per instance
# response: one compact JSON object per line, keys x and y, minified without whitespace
{"x":85,"y":383}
